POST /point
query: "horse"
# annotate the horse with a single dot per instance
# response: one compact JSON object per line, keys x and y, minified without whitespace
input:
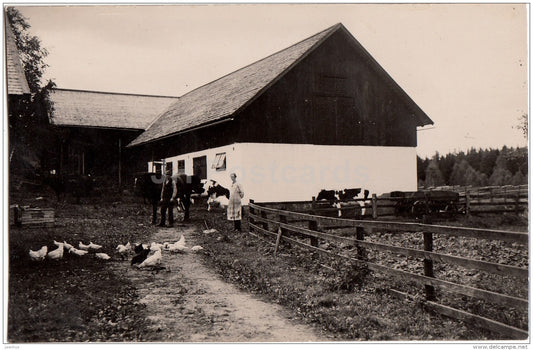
{"x":149,"y":185}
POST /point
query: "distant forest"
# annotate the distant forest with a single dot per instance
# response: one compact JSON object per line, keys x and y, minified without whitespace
{"x":483,"y":167}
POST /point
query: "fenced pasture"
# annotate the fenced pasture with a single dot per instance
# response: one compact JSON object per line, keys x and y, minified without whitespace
{"x":476,"y":275}
{"x":437,"y":202}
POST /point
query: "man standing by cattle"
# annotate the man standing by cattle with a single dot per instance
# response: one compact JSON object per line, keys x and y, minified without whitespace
{"x":169,"y":192}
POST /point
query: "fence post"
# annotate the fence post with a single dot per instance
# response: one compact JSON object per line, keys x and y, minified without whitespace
{"x":313,"y":225}
{"x":360,"y":236}
{"x":467,"y":202}
{"x":264,"y":216}
{"x":374,"y":206}
{"x":252,"y":211}
{"x":428,"y":263}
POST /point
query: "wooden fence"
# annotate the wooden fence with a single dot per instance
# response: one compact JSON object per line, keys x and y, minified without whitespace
{"x":471,"y":200}
{"x":279,"y":225}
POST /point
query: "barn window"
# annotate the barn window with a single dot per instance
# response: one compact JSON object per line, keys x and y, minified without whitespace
{"x":169,"y":167}
{"x":181,"y":166}
{"x":157,"y":167}
{"x":199,"y":165}
{"x":220,"y":162}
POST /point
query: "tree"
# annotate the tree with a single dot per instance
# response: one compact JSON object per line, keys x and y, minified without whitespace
{"x":29,"y":46}
{"x":31,"y":137}
{"x":501,"y":175}
{"x":523,"y":124}
{"x":433,"y":174}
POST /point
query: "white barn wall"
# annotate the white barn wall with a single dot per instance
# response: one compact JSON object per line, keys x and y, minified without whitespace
{"x":212,"y":174}
{"x":292,"y":172}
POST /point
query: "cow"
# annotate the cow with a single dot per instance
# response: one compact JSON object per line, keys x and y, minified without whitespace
{"x":329,"y":195}
{"x":349,"y":196}
{"x":360,"y":196}
{"x":217,"y":195}
{"x":149,"y":185}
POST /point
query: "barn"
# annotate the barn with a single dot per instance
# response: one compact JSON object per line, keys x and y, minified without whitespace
{"x":94,"y":127}
{"x":321,"y":113}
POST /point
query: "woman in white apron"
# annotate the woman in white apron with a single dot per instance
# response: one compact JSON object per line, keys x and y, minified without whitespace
{"x":234,"y":205}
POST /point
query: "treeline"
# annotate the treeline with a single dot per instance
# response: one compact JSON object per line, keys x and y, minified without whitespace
{"x":483,"y":167}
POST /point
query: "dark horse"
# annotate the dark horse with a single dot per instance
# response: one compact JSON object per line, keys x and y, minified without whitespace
{"x":148,"y":185}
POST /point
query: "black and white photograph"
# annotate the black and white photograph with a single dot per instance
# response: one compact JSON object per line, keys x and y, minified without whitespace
{"x":240,"y":174}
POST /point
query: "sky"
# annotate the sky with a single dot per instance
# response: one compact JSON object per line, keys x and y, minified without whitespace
{"x":465,"y":65}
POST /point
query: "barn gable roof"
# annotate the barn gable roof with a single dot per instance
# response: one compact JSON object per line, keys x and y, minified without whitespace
{"x":16,"y":79}
{"x":80,"y":108}
{"x":221,"y":99}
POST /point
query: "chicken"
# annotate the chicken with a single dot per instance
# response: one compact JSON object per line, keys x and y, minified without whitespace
{"x":78,"y":252}
{"x":152,"y":260}
{"x":155,"y":246}
{"x":94,"y":246}
{"x":140,"y":257}
{"x":179,"y":246}
{"x":57,"y":253}
{"x":139,"y":247}
{"x":212,"y":230}
{"x":197,"y":248}
{"x":84,"y":246}
{"x":103,"y":256}
{"x":67,"y":246}
{"x":39,"y":254}
{"x":123,"y":250}
{"x":57,"y":243}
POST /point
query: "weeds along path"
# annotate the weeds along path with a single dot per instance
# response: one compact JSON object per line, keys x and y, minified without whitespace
{"x":187,"y":302}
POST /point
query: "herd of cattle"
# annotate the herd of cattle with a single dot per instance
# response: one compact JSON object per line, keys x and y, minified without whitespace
{"x":148,"y":185}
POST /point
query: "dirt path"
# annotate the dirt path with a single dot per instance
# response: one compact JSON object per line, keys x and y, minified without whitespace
{"x":187,"y":302}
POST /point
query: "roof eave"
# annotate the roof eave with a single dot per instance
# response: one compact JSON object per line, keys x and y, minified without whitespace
{"x":194,"y":128}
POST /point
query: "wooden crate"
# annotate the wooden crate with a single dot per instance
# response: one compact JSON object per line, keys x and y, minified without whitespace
{"x":25,"y":216}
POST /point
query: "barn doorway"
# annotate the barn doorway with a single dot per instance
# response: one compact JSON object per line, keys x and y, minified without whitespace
{"x":199,"y":167}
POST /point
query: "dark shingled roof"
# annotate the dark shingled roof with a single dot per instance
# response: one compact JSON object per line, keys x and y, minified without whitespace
{"x":222,"y":98}
{"x":106,"y":110}
{"x":16,"y":80}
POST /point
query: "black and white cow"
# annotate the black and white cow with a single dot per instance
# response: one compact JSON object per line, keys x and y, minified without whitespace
{"x":355,"y":196}
{"x":217,"y":195}
{"x":348,"y":196}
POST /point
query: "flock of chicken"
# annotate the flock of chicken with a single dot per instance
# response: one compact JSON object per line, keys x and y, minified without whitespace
{"x":57,"y":254}
{"x":141,"y":258}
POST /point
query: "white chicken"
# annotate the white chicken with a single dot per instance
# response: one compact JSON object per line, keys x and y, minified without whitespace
{"x":196,"y":248}
{"x":56,"y":254}
{"x":83,"y":246}
{"x":179,"y":246}
{"x":78,"y":252}
{"x":39,"y":254}
{"x":152,"y":260}
{"x":67,"y":246}
{"x":94,"y":246}
{"x":155,"y":246}
{"x":123,"y":249}
{"x":57,"y":243}
{"x":103,"y":256}
{"x":211,"y":230}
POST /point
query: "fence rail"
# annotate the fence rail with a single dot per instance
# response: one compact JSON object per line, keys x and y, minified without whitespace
{"x":282,"y":226}
{"x":507,"y":199}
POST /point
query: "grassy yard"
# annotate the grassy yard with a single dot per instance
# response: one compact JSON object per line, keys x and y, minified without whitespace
{"x":80,"y":299}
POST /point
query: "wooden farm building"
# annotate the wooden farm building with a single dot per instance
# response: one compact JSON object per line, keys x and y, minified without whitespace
{"x":94,"y":128}
{"x":17,"y":85}
{"x":319,"y":114}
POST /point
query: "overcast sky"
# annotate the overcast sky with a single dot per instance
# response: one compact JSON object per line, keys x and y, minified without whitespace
{"x":465,"y":65}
